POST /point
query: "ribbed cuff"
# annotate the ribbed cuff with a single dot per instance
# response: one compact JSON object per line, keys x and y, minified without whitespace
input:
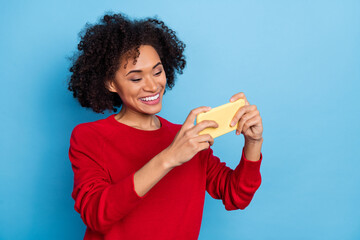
{"x":251,"y":164}
{"x":123,"y":196}
{"x":248,"y":169}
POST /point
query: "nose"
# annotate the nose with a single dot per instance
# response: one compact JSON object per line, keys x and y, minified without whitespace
{"x":150,"y":85}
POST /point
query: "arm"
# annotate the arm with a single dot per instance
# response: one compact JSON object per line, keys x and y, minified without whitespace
{"x":151,"y":173}
{"x":235,"y":187}
{"x":100,"y":201}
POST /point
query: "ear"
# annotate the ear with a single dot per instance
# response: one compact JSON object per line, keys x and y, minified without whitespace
{"x":110,"y":85}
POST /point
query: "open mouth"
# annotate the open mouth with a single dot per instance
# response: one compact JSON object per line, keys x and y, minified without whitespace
{"x":149,"y":99}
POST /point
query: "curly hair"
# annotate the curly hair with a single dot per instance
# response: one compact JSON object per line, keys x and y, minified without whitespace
{"x":101,"y":47}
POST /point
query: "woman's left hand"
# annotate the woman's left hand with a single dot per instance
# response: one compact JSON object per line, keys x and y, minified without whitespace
{"x":248,"y":117}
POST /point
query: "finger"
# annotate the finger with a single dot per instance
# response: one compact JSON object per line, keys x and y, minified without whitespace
{"x":251,"y":120}
{"x":202,"y":125}
{"x":243,"y":110}
{"x":251,"y":123}
{"x":205,"y":138}
{"x":189,"y":122}
{"x":237,"y":96}
{"x":203,"y":146}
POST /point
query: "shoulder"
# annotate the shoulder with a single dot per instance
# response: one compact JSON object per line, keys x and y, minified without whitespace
{"x":94,"y":129}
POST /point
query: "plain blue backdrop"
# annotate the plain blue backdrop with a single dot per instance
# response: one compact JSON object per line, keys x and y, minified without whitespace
{"x":297,"y":61}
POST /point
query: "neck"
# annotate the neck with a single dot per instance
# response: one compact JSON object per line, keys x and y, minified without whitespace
{"x":138,"y":120}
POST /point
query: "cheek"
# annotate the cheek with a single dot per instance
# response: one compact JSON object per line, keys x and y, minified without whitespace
{"x":163,"y":79}
{"x":128,"y":93}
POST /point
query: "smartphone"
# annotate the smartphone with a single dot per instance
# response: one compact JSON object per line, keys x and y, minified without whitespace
{"x":222,"y":115}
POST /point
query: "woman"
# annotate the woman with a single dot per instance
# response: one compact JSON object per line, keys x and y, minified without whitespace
{"x":137,"y":175}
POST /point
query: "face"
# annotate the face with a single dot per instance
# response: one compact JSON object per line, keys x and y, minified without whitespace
{"x":141,"y":86}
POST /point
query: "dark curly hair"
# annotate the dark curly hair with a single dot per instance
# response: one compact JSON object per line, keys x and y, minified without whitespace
{"x":101,"y":47}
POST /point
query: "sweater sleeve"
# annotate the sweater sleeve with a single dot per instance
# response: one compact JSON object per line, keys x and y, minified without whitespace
{"x":235,"y":187}
{"x":99,"y":201}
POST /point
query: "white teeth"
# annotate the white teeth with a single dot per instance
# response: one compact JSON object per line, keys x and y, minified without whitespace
{"x":151,"y":98}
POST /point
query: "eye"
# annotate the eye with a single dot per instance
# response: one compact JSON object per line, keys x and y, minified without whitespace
{"x":158,"y":73}
{"x":135,"y":80}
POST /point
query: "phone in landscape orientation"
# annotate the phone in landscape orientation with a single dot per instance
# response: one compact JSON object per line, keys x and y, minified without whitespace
{"x":223,"y":116}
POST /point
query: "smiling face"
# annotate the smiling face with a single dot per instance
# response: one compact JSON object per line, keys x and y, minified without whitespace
{"x":140,"y":86}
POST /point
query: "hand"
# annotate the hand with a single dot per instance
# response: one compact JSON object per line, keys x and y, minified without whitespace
{"x":187,"y":141}
{"x":248,"y":119}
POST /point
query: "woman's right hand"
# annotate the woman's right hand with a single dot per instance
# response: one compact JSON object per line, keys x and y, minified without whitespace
{"x":187,"y":141}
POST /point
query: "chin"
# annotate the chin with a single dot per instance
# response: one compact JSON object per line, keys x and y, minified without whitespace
{"x":153,"y":112}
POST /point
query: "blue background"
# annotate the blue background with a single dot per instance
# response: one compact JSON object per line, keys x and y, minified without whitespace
{"x":297,"y":61}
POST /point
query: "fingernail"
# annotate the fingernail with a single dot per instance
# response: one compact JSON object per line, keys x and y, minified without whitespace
{"x":232,"y":124}
{"x":237,"y":132}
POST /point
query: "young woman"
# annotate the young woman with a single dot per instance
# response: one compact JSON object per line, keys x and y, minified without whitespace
{"x":137,"y":175}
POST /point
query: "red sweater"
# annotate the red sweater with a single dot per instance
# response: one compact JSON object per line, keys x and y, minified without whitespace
{"x":105,"y":154}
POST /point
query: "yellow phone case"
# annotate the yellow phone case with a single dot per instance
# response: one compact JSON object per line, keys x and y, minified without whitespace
{"x":223,"y":116}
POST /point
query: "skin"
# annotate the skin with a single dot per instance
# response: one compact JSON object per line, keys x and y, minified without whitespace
{"x":250,"y":125}
{"x":151,"y":79}
{"x":148,"y":82}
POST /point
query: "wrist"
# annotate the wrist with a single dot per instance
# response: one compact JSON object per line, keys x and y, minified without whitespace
{"x":166,"y":160}
{"x":254,"y":142}
{"x":252,"y":150}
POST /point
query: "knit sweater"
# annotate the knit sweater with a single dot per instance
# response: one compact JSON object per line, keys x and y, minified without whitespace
{"x":105,"y":154}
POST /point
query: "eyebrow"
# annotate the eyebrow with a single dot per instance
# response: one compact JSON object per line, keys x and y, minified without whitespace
{"x":141,"y":71}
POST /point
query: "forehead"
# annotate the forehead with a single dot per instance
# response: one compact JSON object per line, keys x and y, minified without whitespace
{"x":146,"y":60}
